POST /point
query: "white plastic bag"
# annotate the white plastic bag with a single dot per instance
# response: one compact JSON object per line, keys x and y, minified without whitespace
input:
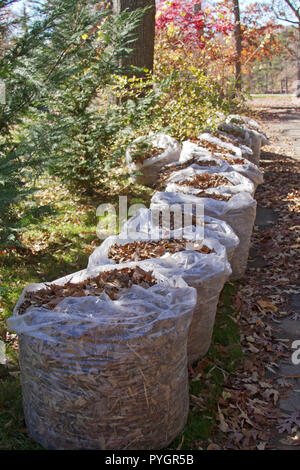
{"x":214,"y":163}
{"x":250,"y":124}
{"x":191,"y":149}
{"x":247,"y":169}
{"x":246,"y":130}
{"x":254,"y":139}
{"x":236,"y":182}
{"x":206,"y":272}
{"x":228,"y":147}
{"x":147,"y":223}
{"x":106,"y":374}
{"x":151,"y":167}
{"x":239,"y":119}
{"x":239,"y":212}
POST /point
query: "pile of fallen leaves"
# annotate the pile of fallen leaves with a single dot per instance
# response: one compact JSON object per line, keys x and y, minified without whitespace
{"x":205,"y":181}
{"x":141,"y":250}
{"x":110,"y":282}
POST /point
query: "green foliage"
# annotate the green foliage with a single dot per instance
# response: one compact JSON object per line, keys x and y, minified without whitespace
{"x":19,"y":72}
{"x":71,"y":108}
{"x":177,"y":102}
{"x":79,"y":124}
{"x":11,"y":190}
{"x":55,"y":72}
{"x":189,"y":99}
{"x":143,"y":149}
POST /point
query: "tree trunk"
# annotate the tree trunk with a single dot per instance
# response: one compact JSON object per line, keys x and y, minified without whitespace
{"x":143,"y":49}
{"x":238,"y":44}
{"x":298,"y":63}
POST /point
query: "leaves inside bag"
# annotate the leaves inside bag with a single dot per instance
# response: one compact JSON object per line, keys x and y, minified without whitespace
{"x":205,"y":181}
{"x":110,"y":282}
{"x":230,"y":139}
{"x":143,"y":150}
{"x":218,"y":197}
{"x":167,"y":171}
{"x":141,"y":250}
{"x":232,"y":161}
{"x":211,"y":146}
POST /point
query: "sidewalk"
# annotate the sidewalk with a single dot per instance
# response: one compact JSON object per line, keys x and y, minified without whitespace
{"x":284,"y":114}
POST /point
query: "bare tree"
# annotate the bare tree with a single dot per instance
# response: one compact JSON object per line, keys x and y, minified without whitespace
{"x":289,"y":10}
{"x":238,"y":44}
{"x":143,"y":47}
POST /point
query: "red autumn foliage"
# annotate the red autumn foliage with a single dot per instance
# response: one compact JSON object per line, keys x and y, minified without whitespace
{"x":194,"y":26}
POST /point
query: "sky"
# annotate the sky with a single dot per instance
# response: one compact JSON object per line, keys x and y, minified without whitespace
{"x":243,"y":3}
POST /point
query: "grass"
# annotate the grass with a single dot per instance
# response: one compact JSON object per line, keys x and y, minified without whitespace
{"x":59,"y":237}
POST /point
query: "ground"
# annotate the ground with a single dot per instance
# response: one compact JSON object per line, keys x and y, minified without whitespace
{"x":245,"y":392}
{"x":262,"y":408}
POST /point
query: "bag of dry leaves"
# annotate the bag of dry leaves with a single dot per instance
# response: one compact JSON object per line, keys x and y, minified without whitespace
{"x":245,"y":130}
{"x":193,"y":149}
{"x":146,"y":156}
{"x":242,"y":164}
{"x":205,"y":146}
{"x":226,"y":163}
{"x":152,"y":224}
{"x":201,"y":263}
{"x":237,"y":210}
{"x":199,"y":162}
{"x":207,"y":272}
{"x":138,"y":246}
{"x":104,"y":359}
{"x":248,"y":122}
{"x":254,"y":139}
{"x":192,"y":154}
{"x":220,"y":144}
{"x":193,"y":181}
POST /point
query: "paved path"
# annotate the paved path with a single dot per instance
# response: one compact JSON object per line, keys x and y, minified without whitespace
{"x":285,"y":115}
{"x":289,"y":126}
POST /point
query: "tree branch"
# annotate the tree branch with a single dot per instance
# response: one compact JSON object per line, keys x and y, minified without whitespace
{"x":295,"y":10}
